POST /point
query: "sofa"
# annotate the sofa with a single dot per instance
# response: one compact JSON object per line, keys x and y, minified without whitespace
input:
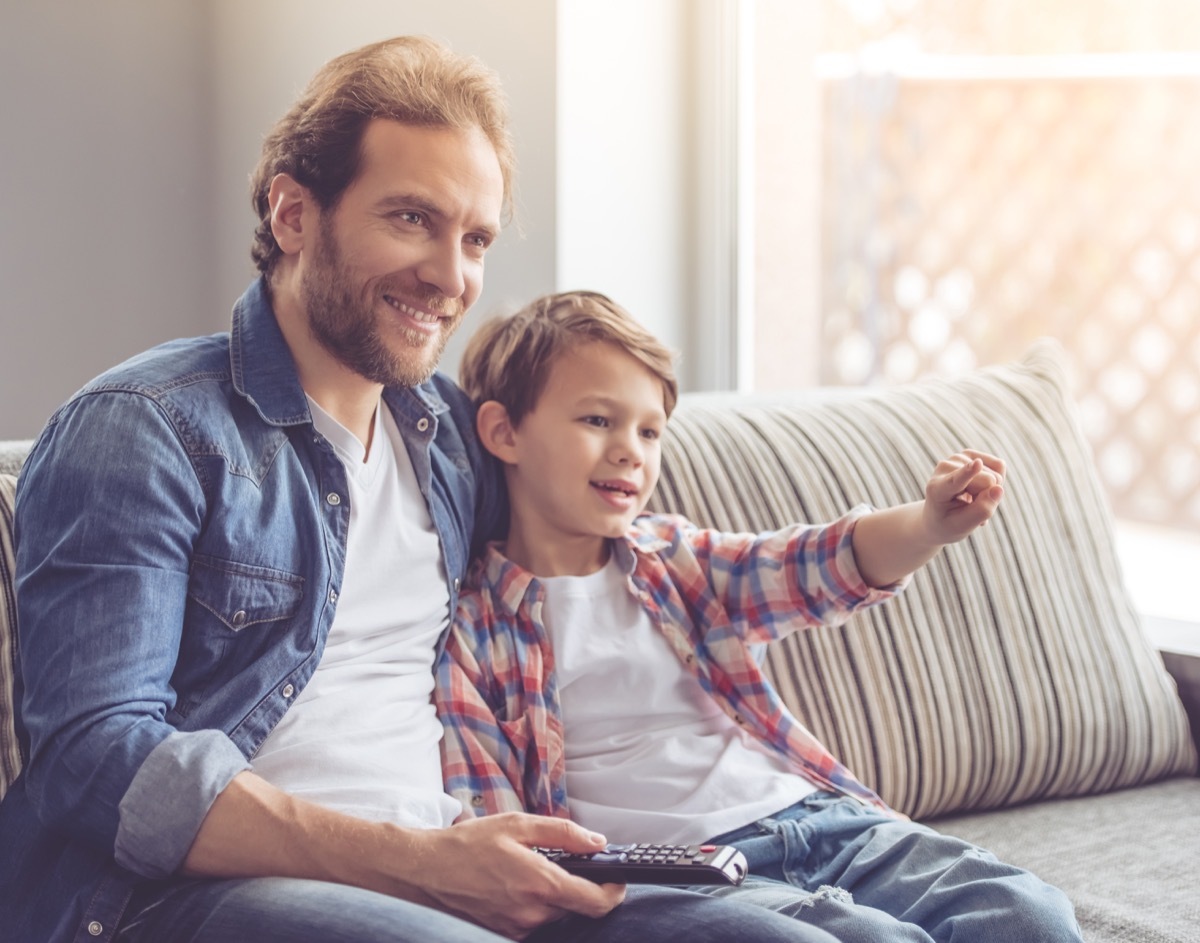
{"x":1010,"y":695}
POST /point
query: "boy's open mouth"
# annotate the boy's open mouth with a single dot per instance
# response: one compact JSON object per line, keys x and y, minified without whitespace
{"x":616,"y":487}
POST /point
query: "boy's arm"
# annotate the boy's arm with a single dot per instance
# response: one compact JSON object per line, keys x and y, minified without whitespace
{"x":960,"y":496}
{"x":768,"y":585}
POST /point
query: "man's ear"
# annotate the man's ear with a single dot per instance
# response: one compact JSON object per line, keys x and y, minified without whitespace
{"x":496,"y":431}
{"x":288,"y":201}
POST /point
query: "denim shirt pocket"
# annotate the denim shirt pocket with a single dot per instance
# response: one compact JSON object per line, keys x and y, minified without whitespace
{"x":241,"y":595}
{"x":235,"y":611}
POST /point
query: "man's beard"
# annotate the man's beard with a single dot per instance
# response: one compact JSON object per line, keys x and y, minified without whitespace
{"x":347,"y":326}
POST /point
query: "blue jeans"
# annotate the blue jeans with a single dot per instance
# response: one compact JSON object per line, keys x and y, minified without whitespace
{"x":864,"y":876}
{"x":287,"y":910}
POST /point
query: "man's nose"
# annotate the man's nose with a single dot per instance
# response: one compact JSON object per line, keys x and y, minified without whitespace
{"x":442,"y":268}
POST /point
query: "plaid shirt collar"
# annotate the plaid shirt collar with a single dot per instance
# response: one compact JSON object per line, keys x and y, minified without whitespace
{"x":514,"y":584}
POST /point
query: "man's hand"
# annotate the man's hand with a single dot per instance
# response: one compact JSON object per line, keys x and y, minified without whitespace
{"x":485,"y":871}
{"x":961,"y":495}
{"x":482,"y":870}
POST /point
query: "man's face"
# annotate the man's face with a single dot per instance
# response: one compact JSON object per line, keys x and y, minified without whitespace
{"x":399,"y":259}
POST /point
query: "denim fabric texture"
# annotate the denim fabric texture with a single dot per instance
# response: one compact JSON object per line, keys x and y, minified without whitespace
{"x":835,"y":863}
{"x":277,"y":910}
{"x":181,"y":536}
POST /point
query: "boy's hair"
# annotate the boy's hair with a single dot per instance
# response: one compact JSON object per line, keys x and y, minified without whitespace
{"x":509,"y":359}
{"x":410,"y":79}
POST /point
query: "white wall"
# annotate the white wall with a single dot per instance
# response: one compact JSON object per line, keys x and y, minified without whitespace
{"x":105,"y":221}
{"x":624,"y":176}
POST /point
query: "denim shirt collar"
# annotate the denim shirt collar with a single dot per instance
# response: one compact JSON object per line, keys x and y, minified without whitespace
{"x":264,"y":370}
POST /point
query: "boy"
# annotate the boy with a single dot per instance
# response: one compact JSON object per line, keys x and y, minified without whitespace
{"x":606,"y":655}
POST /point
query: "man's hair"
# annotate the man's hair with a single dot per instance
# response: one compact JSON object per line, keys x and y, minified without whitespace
{"x":410,"y":79}
{"x":509,"y":359}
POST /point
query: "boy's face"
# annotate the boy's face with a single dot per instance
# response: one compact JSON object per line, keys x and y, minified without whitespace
{"x":585,"y":460}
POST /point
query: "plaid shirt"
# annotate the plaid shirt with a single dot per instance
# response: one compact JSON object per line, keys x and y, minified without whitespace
{"x":712,"y":594}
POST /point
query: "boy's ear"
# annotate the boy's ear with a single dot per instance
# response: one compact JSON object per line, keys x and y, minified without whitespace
{"x":496,"y":431}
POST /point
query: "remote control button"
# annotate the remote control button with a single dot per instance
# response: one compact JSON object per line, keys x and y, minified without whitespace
{"x":708,"y":849}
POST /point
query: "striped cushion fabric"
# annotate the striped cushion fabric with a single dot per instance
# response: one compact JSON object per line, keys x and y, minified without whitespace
{"x":10,"y":756}
{"x":1014,"y":666}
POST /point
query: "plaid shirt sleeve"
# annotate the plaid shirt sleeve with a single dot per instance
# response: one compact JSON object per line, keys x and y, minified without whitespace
{"x":481,"y":765}
{"x":770,"y":584}
{"x":502,"y":746}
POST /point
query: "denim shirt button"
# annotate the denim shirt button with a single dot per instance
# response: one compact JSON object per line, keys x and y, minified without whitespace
{"x":457,"y":583}
{"x":95,"y":928}
{"x":239,"y":619}
{"x":422,"y":424}
{"x":288,"y":690}
{"x":333,"y":498}
{"x":333,"y":596}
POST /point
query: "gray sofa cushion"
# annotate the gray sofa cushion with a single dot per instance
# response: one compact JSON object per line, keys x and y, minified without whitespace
{"x":1014,"y":667}
{"x":1127,"y":859}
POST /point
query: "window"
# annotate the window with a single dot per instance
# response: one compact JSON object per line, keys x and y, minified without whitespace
{"x":938,"y":182}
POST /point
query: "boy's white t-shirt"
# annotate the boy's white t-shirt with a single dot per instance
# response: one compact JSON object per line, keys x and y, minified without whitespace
{"x":649,"y":755}
{"x":362,"y":736}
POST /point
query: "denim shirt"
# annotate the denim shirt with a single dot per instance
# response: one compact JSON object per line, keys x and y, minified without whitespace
{"x":181,"y":539}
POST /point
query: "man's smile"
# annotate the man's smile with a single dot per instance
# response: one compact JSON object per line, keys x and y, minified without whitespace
{"x":417,"y":314}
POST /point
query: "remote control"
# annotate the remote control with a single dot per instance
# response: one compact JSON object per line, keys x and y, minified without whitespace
{"x":655,"y":864}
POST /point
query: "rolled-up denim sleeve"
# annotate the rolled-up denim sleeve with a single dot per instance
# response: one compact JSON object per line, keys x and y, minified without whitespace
{"x":165,"y":805}
{"x":108,"y":510}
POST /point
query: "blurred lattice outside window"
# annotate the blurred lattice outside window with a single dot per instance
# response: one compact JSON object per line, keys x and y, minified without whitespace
{"x":992,"y":171}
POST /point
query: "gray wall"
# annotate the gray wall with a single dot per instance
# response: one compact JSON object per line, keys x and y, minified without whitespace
{"x":129,"y":131}
{"x":105,"y":220}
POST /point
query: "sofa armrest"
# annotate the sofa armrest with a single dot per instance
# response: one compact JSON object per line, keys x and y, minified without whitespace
{"x":1185,"y":669}
{"x":1178,"y":644}
{"x":12,"y":455}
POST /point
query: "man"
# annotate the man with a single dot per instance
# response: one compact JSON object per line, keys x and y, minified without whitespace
{"x":237,"y":557}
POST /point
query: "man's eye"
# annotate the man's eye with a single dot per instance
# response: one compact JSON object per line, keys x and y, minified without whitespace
{"x":479,"y":242}
{"x":412,"y":217}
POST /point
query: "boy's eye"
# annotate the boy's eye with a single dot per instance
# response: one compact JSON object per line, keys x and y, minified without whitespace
{"x":598,"y":421}
{"x":650,"y":433}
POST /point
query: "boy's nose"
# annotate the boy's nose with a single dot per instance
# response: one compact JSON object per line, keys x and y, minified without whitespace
{"x":627,"y":450}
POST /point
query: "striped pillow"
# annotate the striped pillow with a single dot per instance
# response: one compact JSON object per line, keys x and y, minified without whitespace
{"x":1014,"y":666}
{"x":10,"y":755}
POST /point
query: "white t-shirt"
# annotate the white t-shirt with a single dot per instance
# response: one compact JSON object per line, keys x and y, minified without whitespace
{"x":362,"y":736}
{"x":649,"y":755}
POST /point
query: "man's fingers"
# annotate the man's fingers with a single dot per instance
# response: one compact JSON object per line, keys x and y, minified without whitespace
{"x":546,"y":832}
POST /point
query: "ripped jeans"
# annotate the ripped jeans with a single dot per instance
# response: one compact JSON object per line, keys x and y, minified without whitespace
{"x":864,"y":876}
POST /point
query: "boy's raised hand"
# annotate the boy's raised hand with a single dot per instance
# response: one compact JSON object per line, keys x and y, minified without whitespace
{"x":961,"y":495}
